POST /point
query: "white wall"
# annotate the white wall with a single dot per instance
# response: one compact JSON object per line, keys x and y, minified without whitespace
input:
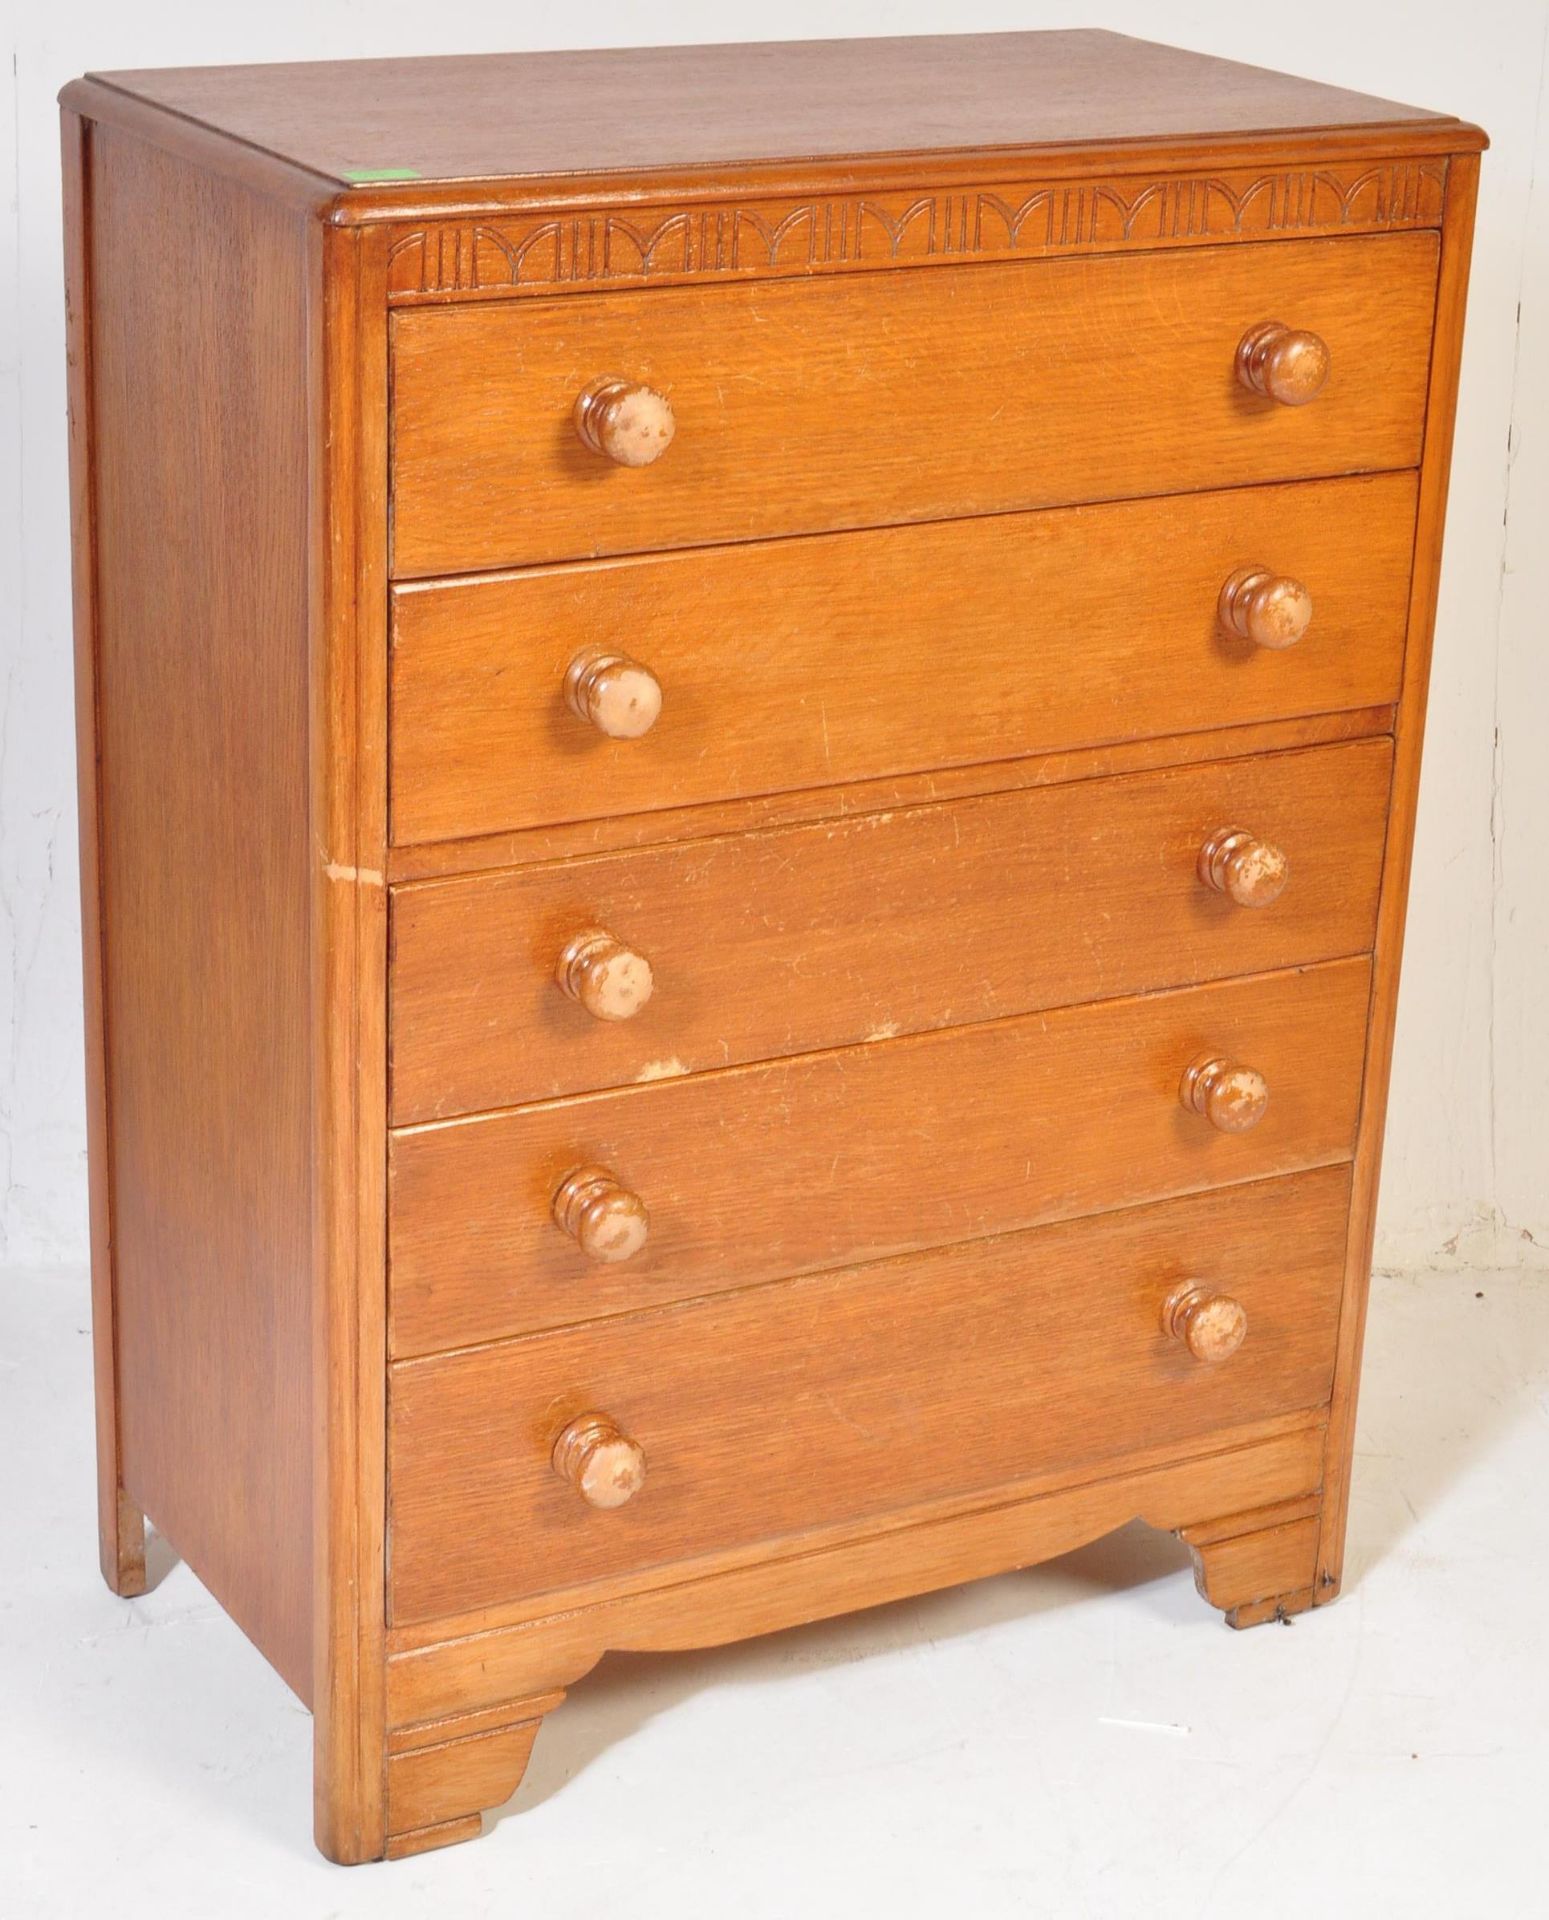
{"x":1468,"y":1168}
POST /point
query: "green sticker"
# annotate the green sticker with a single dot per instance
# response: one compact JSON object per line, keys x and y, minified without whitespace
{"x":363,"y":176}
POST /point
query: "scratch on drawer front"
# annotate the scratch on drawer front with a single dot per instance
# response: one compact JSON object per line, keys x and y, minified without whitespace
{"x":363,"y":875}
{"x":661,"y":1070}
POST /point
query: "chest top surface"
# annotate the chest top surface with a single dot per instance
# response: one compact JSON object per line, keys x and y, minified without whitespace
{"x":513,"y":116}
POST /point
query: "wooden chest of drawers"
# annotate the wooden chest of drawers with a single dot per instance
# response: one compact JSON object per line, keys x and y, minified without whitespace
{"x":749,"y":730}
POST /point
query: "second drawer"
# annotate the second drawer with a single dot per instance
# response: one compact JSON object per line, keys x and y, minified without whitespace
{"x":810,"y":663}
{"x":789,"y":940}
{"x":784,"y":1168}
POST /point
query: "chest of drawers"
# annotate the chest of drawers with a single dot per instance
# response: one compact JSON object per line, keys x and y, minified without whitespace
{"x":749,"y":724}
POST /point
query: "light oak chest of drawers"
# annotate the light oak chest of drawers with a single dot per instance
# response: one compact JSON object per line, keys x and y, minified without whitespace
{"x":749,"y":731}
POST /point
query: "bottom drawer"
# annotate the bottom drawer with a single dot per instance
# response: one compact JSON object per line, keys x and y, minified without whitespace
{"x":804,"y":1404}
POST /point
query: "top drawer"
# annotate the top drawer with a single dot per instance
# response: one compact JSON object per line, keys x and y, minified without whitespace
{"x":804,"y":406}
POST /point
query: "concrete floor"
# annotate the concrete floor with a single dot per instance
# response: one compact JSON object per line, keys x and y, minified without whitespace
{"x":1084,"y":1739}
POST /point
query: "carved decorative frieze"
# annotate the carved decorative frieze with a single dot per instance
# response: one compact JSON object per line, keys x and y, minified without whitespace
{"x":550,"y":252}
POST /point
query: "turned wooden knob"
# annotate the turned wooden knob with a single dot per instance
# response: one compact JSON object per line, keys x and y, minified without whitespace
{"x":1231,"y":1098}
{"x":616,"y":694}
{"x":599,"y":1460}
{"x":1270,"y":609}
{"x":1282,"y":363}
{"x":1251,"y":872}
{"x":1211,"y":1325}
{"x":624,"y":420}
{"x":610,"y":980}
{"x":606,"y":1220}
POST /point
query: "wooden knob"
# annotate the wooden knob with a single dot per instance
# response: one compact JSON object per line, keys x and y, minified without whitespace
{"x":606,"y":1221}
{"x":599,"y":1460}
{"x":1231,"y":1098}
{"x":1211,"y":1325}
{"x":1282,"y":363}
{"x":1251,"y":872}
{"x":627,"y":422}
{"x":616,"y":694}
{"x":610,"y":980}
{"x":1270,"y":609}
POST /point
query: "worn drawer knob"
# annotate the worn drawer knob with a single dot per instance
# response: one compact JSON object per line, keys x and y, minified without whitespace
{"x":610,"y":980}
{"x":599,"y":1460}
{"x":606,"y":1220}
{"x":624,"y":420}
{"x":1211,"y":1325}
{"x":1232,"y":1098}
{"x":615,"y":694}
{"x":1270,"y":609}
{"x":1282,"y":363}
{"x":1248,"y":871}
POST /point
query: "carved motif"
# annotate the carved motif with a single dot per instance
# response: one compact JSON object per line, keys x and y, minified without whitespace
{"x":548,"y":252}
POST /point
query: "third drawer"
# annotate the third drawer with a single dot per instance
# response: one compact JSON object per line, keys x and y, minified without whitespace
{"x":792,"y":939}
{"x":863,"y":1152}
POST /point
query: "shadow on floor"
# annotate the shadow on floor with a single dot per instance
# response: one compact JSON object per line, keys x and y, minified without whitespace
{"x":629,"y":1689}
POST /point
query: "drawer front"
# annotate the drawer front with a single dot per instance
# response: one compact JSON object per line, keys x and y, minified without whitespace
{"x":807,"y":663}
{"x":807,"y":405}
{"x":790,"y":940}
{"x":836,"y":1399}
{"x":823,"y":1161}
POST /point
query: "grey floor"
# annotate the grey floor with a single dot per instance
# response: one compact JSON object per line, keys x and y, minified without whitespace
{"x":1084,"y":1739}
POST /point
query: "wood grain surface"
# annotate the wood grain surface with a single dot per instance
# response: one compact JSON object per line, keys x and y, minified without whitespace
{"x":449,"y":859}
{"x":796,"y":939}
{"x":435,"y":1784}
{"x":348,"y":830}
{"x":810,"y":406}
{"x":1441,"y":412}
{"x":478,"y":117}
{"x":470,"y":1667}
{"x":802,"y":663}
{"x":837,"y":1157}
{"x":120,"y":1523}
{"x":434,"y":1644}
{"x":776,"y":1409}
{"x":201,"y":701}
